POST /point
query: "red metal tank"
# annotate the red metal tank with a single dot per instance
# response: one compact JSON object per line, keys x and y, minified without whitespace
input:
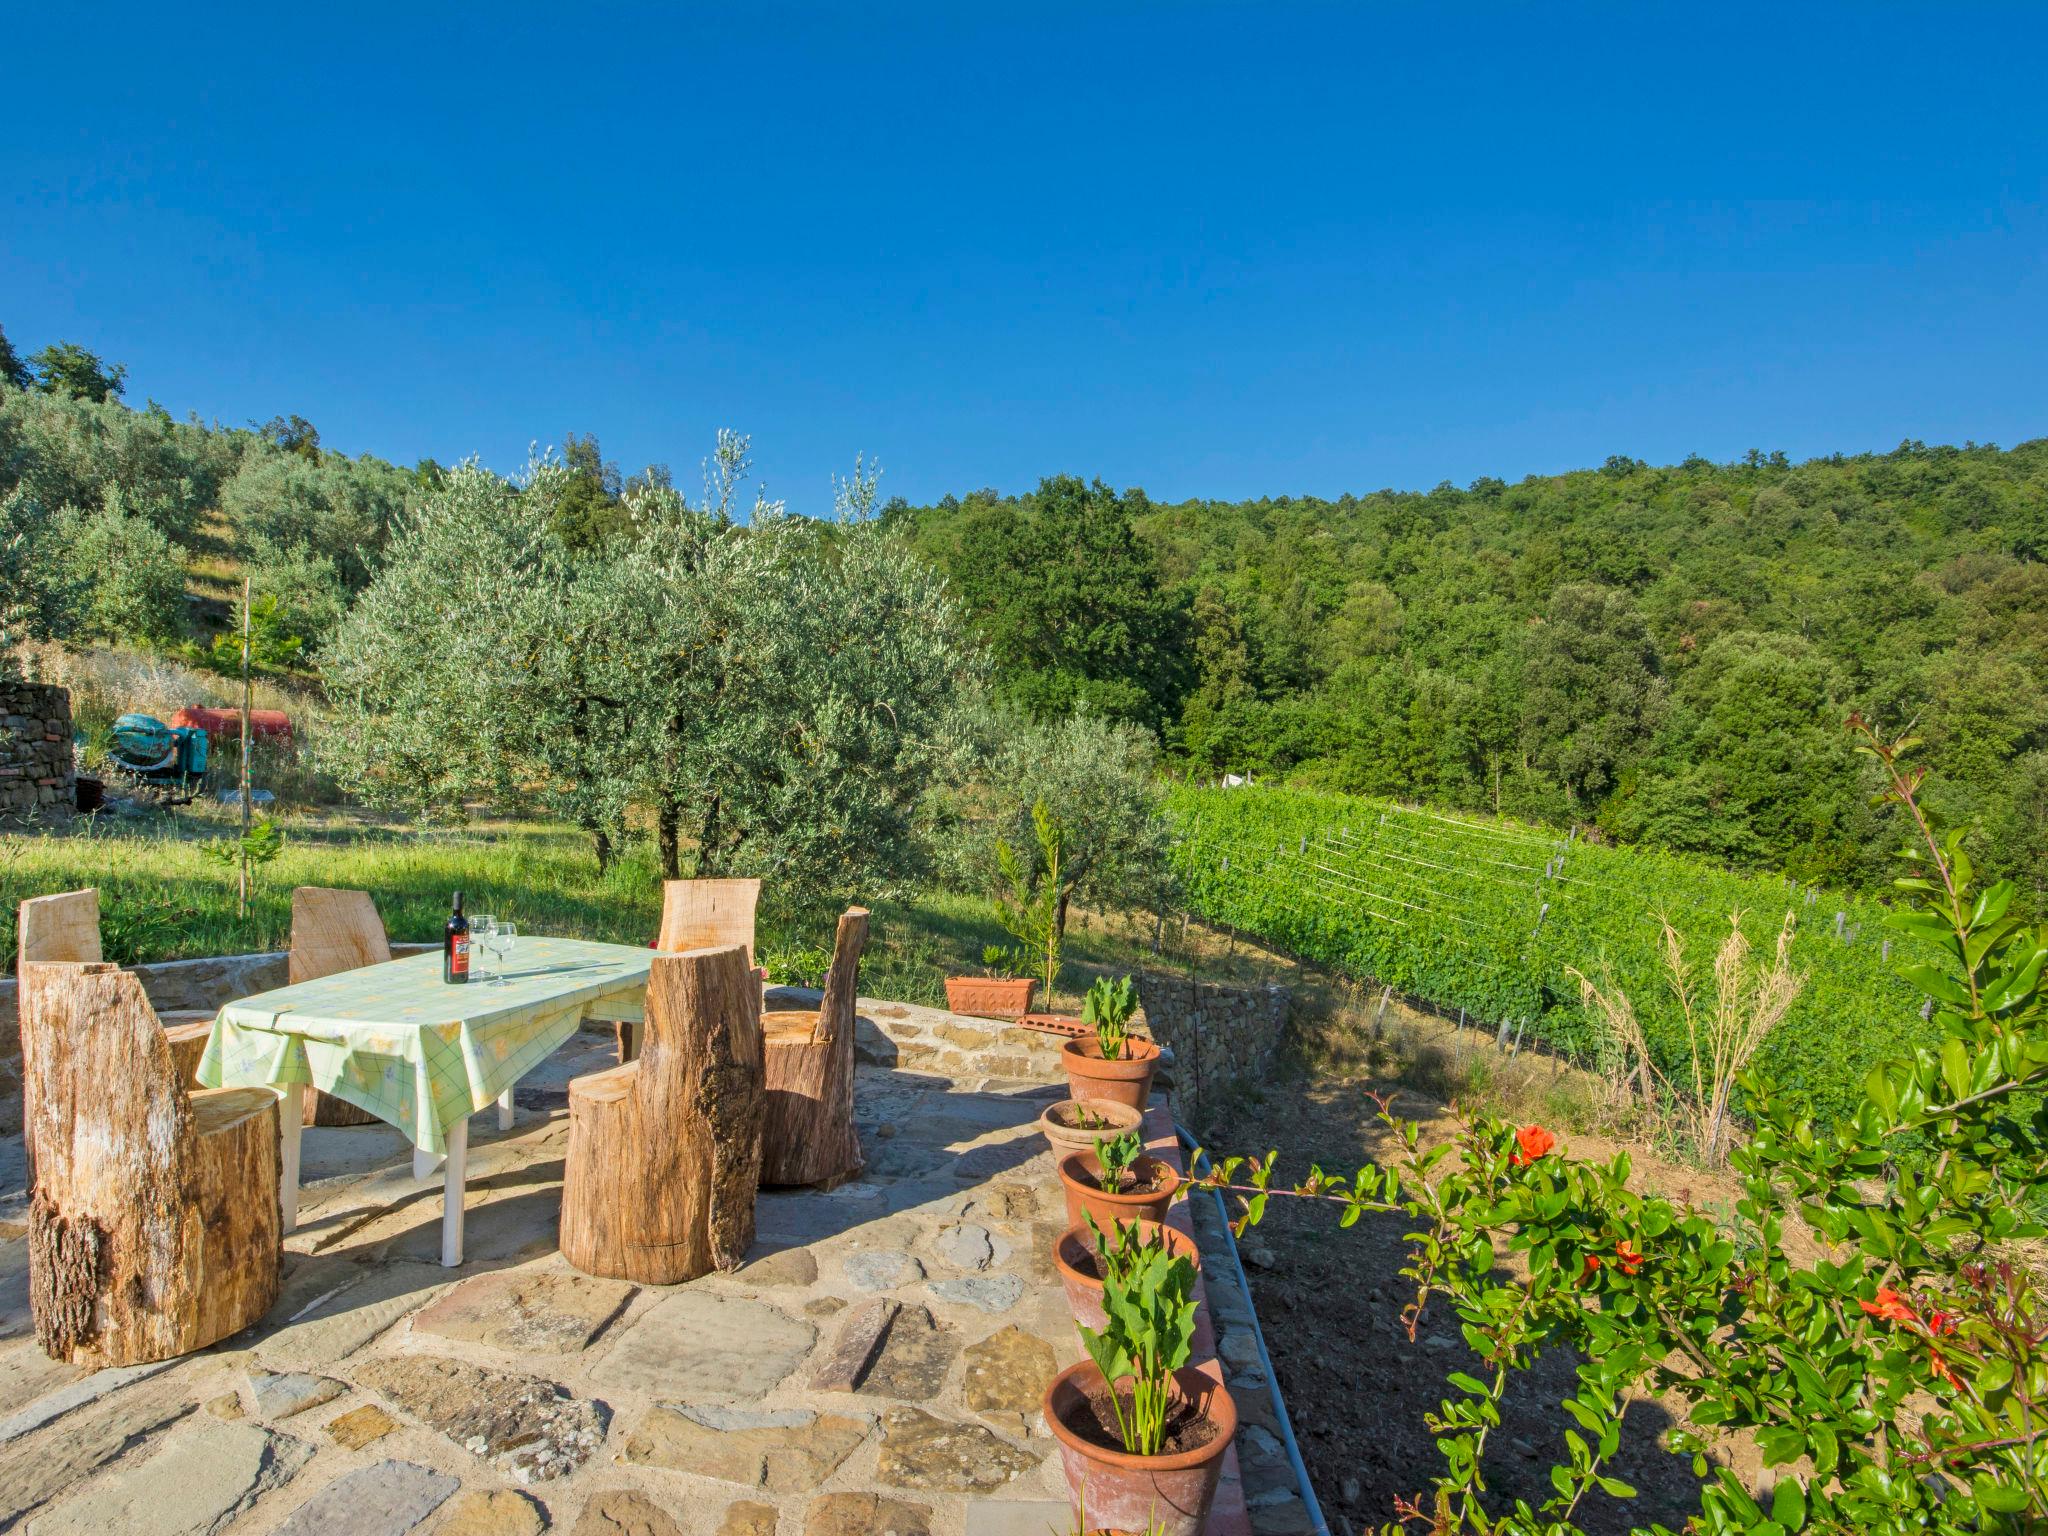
{"x":226,"y":724}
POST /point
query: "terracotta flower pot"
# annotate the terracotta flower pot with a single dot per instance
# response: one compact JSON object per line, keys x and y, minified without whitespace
{"x":1127,"y":1080}
{"x":1081,"y":1178}
{"x":1064,"y":1137}
{"x":990,"y":997}
{"x":1075,"y":1248}
{"x":1137,"y":1493}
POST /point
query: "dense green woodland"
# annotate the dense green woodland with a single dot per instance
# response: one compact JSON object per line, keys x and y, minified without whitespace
{"x":1664,"y":654}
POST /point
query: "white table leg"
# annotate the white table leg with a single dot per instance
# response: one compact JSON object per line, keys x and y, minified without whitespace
{"x":289,"y":1123}
{"x":505,"y":1110}
{"x":451,"y":1194}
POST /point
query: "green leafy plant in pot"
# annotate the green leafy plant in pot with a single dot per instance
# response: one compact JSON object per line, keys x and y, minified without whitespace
{"x":1141,"y":1433}
{"x":1087,"y":1255}
{"x":1118,"y":1181}
{"x":1112,"y":1063}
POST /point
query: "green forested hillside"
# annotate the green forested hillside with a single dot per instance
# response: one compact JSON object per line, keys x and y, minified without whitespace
{"x":1665,"y":654}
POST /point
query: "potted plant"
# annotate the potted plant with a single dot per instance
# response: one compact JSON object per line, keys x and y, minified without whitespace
{"x":1118,"y":1181}
{"x":1141,"y":1434}
{"x":1086,"y":1256}
{"x":996,"y":994}
{"x":1113,"y":1063}
{"x":1075,"y":1125}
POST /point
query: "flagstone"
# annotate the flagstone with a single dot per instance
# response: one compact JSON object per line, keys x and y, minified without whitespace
{"x":865,"y":1514}
{"x":493,"y":1512}
{"x":200,"y":1482}
{"x":1006,"y":1377}
{"x":914,"y":1357}
{"x":991,"y":1293}
{"x":882,"y":1269}
{"x":706,"y":1348}
{"x":532,"y":1428}
{"x":359,"y":1426}
{"x":789,"y":1450}
{"x":387,"y":1499}
{"x":782,"y":1266}
{"x":344,"y":1322}
{"x":553,"y":1312}
{"x":747,"y":1518}
{"x":280,"y":1396}
{"x":921,"y":1450}
{"x":625,"y":1512}
{"x":32,"y":1473}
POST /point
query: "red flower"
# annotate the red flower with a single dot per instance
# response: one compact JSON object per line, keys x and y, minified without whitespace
{"x":1941,"y":1323}
{"x":1890,"y":1306}
{"x":1940,"y":1368}
{"x":1629,"y":1260}
{"x":1592,"y":1264}
{"x":1531,"y":1142}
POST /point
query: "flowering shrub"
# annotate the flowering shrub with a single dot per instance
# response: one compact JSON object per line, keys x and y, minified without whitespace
{"x":1896,"y":1380}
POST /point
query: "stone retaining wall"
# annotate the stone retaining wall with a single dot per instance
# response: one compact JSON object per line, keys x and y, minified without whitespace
{"x":38,"y":781}
{"x":1214,"y":1034}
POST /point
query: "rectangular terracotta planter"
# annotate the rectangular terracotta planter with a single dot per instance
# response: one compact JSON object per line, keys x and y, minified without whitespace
{"x":990,"y":997}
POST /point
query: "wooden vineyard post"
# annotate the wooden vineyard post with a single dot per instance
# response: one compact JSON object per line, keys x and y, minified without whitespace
{"x":665,"y":1151}
{"x":248,"y":699}
{"x":810,"y":1136}
{"x":154,"y":1228}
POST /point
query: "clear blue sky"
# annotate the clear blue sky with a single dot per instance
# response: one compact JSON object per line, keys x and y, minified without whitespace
{"x":1206,"y":249}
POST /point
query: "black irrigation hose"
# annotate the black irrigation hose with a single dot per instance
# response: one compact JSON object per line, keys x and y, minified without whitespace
{"x":1318,"y":1525}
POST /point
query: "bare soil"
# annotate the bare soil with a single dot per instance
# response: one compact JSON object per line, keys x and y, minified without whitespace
{"x":1185,"y":1430}
{"x":1358,"y":1390}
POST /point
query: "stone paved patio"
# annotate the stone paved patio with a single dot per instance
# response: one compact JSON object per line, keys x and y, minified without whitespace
{"x":874,"y":1367}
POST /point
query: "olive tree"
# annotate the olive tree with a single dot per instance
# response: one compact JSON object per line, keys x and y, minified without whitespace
{"x":1097,"y":780}
{"x":792,"y":688}
{"x":777,"y":695}
{"x":465,"y":672}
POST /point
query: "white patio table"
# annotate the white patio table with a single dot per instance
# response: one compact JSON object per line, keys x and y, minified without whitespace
{"x":396,"y":1040}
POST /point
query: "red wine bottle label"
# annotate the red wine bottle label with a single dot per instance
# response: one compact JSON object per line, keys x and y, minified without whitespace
{"x":459,"y":961}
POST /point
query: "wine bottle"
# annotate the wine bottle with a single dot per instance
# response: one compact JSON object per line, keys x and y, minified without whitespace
{"x":455,"y":946}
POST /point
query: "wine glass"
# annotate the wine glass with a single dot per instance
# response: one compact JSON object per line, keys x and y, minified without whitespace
{"x":504,"y":936}
{"x":482,"y":928}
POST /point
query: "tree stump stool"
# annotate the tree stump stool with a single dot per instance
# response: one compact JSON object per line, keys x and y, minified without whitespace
{"x":810,"y":1137}
{"x":154,"y":1229}
{"x":699,"y":914}
{"x":333,"y":930}
{"x":664,"y":1152}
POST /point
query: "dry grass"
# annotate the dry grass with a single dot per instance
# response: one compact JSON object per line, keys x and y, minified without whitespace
{"x":1723,"y":1034}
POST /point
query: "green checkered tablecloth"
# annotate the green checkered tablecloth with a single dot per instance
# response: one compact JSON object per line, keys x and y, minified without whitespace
{"x":396,"y":1040}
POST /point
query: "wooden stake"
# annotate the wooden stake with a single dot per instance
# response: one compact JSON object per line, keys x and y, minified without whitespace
{"x":248,"y":699}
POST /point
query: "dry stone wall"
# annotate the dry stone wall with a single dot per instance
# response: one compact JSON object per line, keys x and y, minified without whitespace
{"x":1215,"y":1035}
{"x":38,"y":781}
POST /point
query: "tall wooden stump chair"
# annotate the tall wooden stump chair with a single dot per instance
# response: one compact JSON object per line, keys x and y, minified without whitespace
{"x":333,"y":931}
{"x":700,"y":914}
{"x":67,"y":927}
{"x":154,"y":1228}
{"x":665,"y":1150}
{"x":810,"y":1137}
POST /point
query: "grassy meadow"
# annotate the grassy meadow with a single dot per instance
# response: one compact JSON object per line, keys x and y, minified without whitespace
{"x":162,"y":898}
